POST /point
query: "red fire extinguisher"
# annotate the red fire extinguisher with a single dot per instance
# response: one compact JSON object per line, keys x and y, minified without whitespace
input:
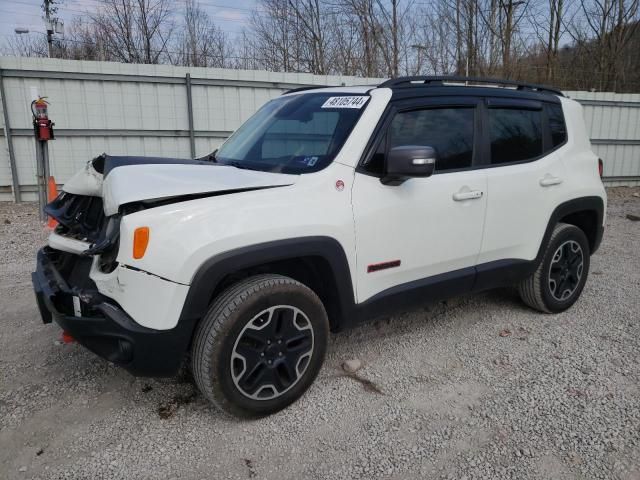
{"x":42,"y":126}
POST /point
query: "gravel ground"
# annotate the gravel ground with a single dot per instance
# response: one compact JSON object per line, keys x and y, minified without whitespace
{"x":477,"y":387}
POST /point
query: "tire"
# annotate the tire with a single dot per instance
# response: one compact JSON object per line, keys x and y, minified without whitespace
{"x":558,"y":281}
{"x":260,"y":346}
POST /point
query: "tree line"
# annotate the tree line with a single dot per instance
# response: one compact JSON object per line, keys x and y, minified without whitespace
{"x":574,"y":44}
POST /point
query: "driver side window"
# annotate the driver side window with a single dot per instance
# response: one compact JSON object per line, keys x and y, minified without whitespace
{"x":448,"y":130}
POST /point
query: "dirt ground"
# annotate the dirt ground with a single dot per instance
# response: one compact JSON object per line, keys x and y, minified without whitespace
{"x":477,"y":387}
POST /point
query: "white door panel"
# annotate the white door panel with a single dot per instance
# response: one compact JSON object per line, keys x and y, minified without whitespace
{"x":520,"y":202}
{"x":432,"y":225}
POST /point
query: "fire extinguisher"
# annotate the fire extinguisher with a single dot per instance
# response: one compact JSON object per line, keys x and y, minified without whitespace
{"x":42,"y":126}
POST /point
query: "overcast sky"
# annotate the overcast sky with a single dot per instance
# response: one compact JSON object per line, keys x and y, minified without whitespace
{"x":230,"y":15}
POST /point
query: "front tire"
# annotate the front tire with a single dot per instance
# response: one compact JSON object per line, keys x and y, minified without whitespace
{"x":260,"y":346}
{"x":559,"y":279}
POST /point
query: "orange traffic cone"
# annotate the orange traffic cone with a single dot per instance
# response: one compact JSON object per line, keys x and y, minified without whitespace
{"x":52,"y":193}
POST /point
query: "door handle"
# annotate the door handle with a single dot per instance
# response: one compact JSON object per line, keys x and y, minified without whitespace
{"x":549,"y":180}
{"x":470,"y":195}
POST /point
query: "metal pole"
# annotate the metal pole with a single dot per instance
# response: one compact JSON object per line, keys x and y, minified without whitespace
{"x":192,"y":139}
{"x":40,"y":178}
{"x":15,"y":186}
{"x":46,"y":168}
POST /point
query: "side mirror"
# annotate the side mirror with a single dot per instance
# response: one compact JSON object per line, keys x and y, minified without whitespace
{"x":409,"y":161}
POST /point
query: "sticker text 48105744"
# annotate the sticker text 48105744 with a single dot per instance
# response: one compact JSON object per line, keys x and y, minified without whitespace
{"x":345,"y":102}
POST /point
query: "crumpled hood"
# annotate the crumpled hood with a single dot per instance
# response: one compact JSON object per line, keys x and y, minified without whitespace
{"x":146,"y":182}
{"x":152,"y":182}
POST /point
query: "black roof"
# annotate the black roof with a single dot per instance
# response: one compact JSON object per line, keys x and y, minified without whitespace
{"x":423,"y":86}
{"x":422,"y":82}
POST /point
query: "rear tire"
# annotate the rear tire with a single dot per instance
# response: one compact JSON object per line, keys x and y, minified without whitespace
{"x":260,"y":346}
{"x":559,"y":279}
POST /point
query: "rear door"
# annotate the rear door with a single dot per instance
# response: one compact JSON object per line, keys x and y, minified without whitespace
{"x":525,"y":172}
{"x":424,"y":227}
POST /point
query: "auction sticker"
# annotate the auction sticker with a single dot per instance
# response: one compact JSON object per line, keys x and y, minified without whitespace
{"x":345,"y":102}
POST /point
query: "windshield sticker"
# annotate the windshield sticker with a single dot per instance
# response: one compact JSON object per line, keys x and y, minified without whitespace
{"x":345,"y":102}
{"x":310,"y":161}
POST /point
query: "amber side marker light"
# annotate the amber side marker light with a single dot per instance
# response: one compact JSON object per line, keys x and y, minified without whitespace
{"x":140,"y":242}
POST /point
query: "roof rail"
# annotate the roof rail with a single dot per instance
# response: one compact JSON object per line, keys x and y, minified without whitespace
{"x":302,"y":89}
{"x":475,"y":81}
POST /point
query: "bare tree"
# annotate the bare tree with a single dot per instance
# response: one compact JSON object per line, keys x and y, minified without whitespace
{"x":201,"y":43}
{"x":556,"y":12}
{"x":438,"y":43}
{"x":510,"y":18}
{"x":548,"y":23}
{"x":135,"y":31}
{"x":274,"y":35}
{"x":576,"y":44}
{"x":26,"y":46}
{"x":611,"y":24}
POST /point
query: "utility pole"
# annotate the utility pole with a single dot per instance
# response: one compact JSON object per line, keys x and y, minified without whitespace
{"x":47,"y":7}
{"x":394,"y":26}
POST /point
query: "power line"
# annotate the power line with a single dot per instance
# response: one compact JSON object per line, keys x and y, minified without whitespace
{"x":24,"y":14}
{"x":84,"y":14}
{"x":39,"y":18}
{"x":229,"y":32}
{"x":152,"y":51}
{"x":99,"y":4}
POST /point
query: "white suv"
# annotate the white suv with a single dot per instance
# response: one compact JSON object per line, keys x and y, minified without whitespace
{"x":328,"y":207}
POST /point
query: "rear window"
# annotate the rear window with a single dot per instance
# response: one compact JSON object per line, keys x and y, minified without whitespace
{"x":515,"y":134}
{"x":556,"y":124}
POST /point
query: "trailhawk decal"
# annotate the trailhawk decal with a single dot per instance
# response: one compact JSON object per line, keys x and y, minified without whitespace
{"x":376,"y":267}
{"x":345,"y":102}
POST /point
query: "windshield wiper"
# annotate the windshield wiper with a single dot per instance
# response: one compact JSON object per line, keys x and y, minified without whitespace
{"x":233,"y":163}
{"x":212,"y":156}
{"x":209,"y":158}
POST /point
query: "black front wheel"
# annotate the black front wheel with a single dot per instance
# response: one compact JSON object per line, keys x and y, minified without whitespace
{"x":559,"y":279}
{"x":260,"y":346}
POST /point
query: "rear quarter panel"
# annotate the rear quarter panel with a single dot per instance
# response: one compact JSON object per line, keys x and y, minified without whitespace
{"x":582,"y":179}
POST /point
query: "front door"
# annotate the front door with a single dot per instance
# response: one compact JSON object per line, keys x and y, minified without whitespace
{"x":425,"y":226}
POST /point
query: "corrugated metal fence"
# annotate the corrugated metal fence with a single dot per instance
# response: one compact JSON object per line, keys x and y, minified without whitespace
{"x":187,"y":112}
{"x":613,"y":122}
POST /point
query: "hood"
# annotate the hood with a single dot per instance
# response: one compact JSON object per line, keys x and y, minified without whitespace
{"x":145,"y":179}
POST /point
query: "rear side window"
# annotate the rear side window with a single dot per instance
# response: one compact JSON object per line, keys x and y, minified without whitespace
{"x":448,"y":130}
{"x":556,"y":124}
{"x":515,"y":134}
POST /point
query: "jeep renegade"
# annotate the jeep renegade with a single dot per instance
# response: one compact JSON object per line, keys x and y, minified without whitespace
{"x":327,"y":207}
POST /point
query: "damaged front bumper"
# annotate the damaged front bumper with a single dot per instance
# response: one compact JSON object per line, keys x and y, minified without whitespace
{"x":100,"y":324}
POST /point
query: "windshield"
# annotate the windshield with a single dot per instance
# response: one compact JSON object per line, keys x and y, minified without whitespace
{"x":293,"y":134}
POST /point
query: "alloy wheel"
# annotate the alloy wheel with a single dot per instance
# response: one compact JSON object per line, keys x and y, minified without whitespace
{"x":272,"y":352}
{"x":565,"y":271}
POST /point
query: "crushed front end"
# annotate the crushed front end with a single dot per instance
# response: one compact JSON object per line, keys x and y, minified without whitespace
{"x":74,"y":272}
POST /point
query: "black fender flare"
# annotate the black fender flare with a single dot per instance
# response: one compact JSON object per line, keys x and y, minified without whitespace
{"x":581,"y":204}
{"x":209,"y":275}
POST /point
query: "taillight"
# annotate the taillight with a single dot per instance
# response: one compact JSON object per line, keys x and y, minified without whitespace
{"x":600,"y":167}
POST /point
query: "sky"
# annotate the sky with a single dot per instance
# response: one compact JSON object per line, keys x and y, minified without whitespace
{"x":230,"y":15}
